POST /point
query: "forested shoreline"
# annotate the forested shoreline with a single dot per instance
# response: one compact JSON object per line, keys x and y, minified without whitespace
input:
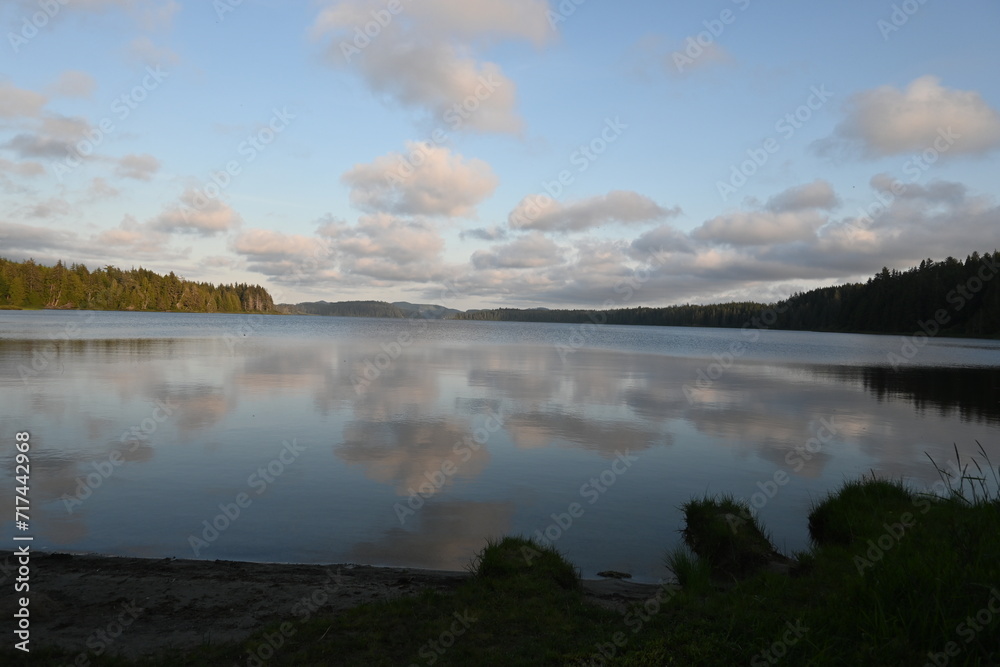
{"x":953,"y":297}
{"x":964,"y":295}
{"x":31,"y":285}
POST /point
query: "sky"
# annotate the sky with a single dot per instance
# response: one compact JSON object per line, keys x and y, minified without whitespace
{"x":500,"y":153}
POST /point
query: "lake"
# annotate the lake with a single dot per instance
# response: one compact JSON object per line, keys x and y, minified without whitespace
{"x":410,"y":442}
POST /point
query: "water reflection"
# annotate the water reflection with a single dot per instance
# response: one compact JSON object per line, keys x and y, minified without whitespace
{"x":449,"y":533}
{"x":426,"y":455}
{"x":972,"y":393}
{"x":187,"y":419}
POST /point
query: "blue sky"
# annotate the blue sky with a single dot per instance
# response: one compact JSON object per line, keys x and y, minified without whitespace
{"x":737,"y":149}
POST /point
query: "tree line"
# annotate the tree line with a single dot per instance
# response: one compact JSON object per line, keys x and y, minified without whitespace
{"x":962,"y":297}
{"x":31,"y":285}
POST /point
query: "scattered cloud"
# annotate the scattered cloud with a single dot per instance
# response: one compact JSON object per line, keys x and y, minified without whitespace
{"x":443,"y":183}
{"x":386,"y":247}
{"x":139,"y":167}
{"x":74,"y":83}
{"x":616,"y":207}
{"x":425,"y":56}
{"x":196,"y":214}
{"x":528,"y":252}
{"x":756,"y":228}
{"x":131,"y":236}
{"x":679,"y":63}
{"x":818,"y":194}
{"x":20,"y":103}
{"x":888,"y":121}
{"x":143,"y":50}
{"x":491,"y":233}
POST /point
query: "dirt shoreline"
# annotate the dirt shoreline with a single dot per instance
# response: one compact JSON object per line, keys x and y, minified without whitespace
{"x":138,"y":607}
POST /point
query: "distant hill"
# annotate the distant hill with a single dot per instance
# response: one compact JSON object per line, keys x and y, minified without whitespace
{"x":398,"y":310}
{"x":343,"y":309}
{"x":426,"y":310}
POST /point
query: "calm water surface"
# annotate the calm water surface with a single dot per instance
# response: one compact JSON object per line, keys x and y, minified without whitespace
{"x":411,"y":442}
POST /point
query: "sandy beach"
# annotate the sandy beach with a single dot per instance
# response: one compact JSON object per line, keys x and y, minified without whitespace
{"x":139,"y":607}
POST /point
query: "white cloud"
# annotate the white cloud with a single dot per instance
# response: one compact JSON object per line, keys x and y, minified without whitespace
{"x":21,"y":168}
{"x":751,"y":228}
{"x":491,"y":233}
{"x":617,"y":207}
{"x":127,"y":241}
{"x":74,"y":83}
{"x":889,"y":121}
{"x":662,"y":239}
{"x":197,"y":214}
{"x":528,"y":252}
{"x":131,"y":236}
{"x":386,"y":247}
{"x":444,"y":183}
{"x":424,"y":57}
{"x":143,"y":50}
{"x":818,"y":194}
{"x":140,"y":167}
{"x":20,"y":103}
{"x":101,"y":189}
{"x":270,"y":245}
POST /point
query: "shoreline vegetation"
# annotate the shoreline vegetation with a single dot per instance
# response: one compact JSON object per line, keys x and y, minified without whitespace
{"x":892,"y":577}
{"x":949,"y":298}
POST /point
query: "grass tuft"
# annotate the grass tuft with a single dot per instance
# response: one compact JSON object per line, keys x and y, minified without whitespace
{"x":724,"y":532}
{"x":859,"y":508}
{"x":516,"y":557}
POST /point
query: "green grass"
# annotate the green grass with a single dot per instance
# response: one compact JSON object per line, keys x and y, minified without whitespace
{"x":892,"y":578}
{"x":725,"y":534}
